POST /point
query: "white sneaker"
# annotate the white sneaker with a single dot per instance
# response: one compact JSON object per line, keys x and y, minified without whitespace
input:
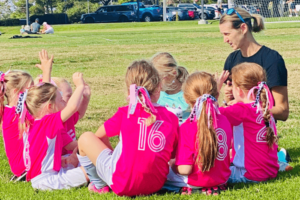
{"x":297,"y":15}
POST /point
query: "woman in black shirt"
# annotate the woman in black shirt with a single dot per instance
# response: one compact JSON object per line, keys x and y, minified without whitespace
{"x":236,"y":27}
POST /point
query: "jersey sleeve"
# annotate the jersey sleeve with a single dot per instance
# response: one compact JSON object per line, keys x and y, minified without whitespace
{"x":185,"y":151}
{"x":113,"y":125}
{"x":55,"y":125}
{"x":235,"y":113}
{"x":66,"y":138}
{"x":75,"y":117}
{"x":277,"y":73}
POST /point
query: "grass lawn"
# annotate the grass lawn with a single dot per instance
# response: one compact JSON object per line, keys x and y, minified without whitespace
{"x":102,"y":53}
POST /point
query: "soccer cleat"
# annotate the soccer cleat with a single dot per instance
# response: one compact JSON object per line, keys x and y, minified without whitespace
{"x":93,"y":188}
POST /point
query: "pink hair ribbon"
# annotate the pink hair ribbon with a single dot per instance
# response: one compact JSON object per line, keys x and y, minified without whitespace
{"x":134,"y":99}
{"x":270,"y":101}
{"x":211,"y":109}
{"x":21,"y":108}
{"x":2,"y":79}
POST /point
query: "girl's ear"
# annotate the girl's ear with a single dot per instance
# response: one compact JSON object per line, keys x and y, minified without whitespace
{"x":49,"y":107}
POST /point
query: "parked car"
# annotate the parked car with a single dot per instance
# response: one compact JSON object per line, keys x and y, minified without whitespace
{"x":207,"y":14}
{"x":149,"y":13}
{"x":183,"y":14}
{"x":118,"y":13}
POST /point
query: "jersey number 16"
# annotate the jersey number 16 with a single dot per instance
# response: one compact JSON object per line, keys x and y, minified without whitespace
{"x":156,"y":140}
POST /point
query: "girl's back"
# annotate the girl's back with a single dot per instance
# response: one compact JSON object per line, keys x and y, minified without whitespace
{"x":250,"y":144}
{"x":187,"y":154}
{"x":144,"y":151}
{"x":14,"y":145}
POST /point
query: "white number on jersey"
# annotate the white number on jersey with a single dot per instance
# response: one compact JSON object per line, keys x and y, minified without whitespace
{"x":222,"y":144}
{"x":261,"y":135}
{"x":153,"y":137}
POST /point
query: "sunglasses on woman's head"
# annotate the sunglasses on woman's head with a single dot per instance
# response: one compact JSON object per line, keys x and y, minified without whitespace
{"x":232,"y":11}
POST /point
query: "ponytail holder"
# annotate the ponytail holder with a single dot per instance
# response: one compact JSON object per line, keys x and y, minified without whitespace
{"x":2,"y":75}
{"x":21,"y":108}
{"x":41,"y":80}
{"x":134,"y":99}
{"x":267,"y":124}
{"x":211,"y":109}
{"x":270,"y":102}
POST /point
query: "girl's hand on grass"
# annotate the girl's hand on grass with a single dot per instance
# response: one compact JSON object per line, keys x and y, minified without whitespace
{"x":46,"y":62}
{"x":78,"y":79}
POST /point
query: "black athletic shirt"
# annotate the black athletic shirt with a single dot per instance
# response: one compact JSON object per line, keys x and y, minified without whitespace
{"x":269,"y":59}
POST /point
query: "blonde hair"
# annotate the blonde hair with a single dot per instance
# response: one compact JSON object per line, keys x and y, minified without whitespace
{"x":38,"y":95}
{"x":166,"y":65}
{"x":14,"y":80}
{"x":258,"y":21}
{"x":246,"y":76}
{"x":142,"y":73}
{"x":196,"y":85}
{"x":57,"y":80}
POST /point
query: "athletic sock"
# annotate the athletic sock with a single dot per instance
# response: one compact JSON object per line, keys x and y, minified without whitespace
{"x":91,"y":171}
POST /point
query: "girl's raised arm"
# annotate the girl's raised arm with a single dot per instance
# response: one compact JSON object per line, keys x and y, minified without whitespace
{"x":45,"y":66}
{"x":75,"y":100}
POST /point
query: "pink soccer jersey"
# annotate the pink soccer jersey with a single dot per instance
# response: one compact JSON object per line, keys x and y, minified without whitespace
{"x":14,"y":145}
{"x":70,"y":128}
{"x":47,"y":137}
{"x":187,"y":154}
{"x":251,"y":149}
{"x":142,"y":168}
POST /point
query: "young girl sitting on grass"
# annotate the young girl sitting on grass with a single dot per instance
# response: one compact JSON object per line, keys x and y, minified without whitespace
{"x":254,"y":129}
{"x":11,"y":84}
{"x":148,"y":139}
{"x":202,"y":159}
{"x":172,"y":77}
{"x":48,"y":136}
{"x":66,"y":91}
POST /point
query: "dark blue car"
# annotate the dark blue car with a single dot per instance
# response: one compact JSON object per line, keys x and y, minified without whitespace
{"x":119,"y":13}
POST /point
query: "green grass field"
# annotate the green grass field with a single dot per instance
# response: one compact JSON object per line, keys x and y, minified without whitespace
{"x":102,"y":53}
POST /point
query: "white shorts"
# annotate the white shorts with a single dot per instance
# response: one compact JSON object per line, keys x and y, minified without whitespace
{"x":177,"y":180}
{"x":106,"y":163}
{"x":49,"y":30}
{"x":66,"y":178}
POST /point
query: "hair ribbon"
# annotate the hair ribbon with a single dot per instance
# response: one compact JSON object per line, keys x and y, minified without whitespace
{"x":270,"y":102}
{"x":134,"y":99}
{"x":2,"y":79}
{"x":211,"y":109}
{"x":21,"y":108}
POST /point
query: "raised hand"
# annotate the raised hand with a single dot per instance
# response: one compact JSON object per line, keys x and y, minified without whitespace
{"x":46,"y":65}
{"x":46,"y":62}
{"x":78,"y":79}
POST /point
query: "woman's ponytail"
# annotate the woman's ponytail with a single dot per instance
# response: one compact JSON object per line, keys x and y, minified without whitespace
{"x":258,"y":23}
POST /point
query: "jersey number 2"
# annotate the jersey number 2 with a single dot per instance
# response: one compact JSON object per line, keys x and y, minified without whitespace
{"x":156,"y":140}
